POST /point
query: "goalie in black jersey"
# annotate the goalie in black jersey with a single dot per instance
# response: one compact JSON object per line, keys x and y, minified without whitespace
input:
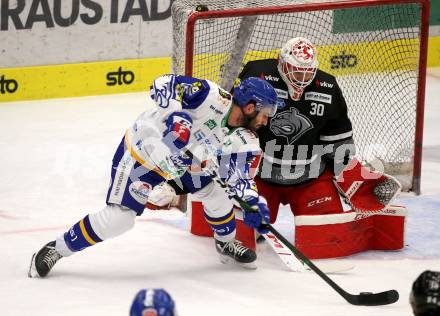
{"x":309,"y":159}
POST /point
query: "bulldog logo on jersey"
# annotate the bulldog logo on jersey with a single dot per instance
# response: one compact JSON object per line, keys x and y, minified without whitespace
{"x":290,"y":124}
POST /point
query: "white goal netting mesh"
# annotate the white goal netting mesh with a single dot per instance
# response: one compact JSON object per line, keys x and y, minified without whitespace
{"x":372,"y":50}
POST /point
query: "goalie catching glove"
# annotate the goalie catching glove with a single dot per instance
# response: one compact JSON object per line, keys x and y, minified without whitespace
{"x":366,"y":191}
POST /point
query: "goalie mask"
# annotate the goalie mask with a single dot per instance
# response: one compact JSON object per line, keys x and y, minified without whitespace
{"x":297,"y":65}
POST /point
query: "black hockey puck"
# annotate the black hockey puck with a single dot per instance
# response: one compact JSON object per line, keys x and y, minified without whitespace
{"x":201,"y":8}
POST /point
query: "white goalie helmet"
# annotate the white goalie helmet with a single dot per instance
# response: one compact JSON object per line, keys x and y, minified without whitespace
{"x":297,"y":65}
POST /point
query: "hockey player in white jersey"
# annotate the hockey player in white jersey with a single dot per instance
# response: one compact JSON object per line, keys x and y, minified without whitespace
{"x":190,"y":114}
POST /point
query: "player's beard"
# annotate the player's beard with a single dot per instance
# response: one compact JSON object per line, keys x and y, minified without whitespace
{"x":251,"y":122}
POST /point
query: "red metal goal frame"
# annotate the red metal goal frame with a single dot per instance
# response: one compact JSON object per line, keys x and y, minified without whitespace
{"x":424,"y":33}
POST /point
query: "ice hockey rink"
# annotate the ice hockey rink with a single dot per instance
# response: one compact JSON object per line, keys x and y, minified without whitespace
{"x":54,"y":169}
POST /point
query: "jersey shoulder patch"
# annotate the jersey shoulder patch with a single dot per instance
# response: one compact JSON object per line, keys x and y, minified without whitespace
{"x":191,"y":92}
{"x":224,"y":98}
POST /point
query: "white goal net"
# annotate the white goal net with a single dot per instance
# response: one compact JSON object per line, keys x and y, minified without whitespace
{"x":375,"y":48}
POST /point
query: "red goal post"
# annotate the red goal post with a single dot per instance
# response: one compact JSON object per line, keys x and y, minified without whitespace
{"x":377,"y":50}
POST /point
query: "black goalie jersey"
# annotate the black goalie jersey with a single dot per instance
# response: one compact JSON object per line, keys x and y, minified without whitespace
{"x":295,"y":138}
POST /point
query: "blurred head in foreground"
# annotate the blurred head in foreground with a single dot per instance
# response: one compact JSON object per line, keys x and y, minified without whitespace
{"x":153,"y":302}
{"x":425,"y":294}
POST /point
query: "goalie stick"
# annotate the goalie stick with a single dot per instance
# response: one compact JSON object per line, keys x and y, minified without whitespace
{"x":363,"y":298}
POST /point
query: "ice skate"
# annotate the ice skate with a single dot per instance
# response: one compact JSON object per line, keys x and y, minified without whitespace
{"x":234,"y":250}
{"x":43,"y":261}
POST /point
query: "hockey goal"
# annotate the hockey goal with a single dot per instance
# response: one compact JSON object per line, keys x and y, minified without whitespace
{"x":376,"y":49}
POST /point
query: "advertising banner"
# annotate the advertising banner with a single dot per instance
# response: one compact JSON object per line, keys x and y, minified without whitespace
{"x":47,"y":32}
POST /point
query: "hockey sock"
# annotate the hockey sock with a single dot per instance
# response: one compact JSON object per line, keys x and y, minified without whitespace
{"x":81,"y":235}
{"x":223,"y":226}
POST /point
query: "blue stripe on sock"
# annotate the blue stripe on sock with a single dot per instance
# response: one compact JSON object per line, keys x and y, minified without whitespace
{"x":218,"y":219}
{"x":90,"y":230}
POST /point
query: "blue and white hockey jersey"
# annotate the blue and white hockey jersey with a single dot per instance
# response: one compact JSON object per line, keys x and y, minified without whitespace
{"x":232,"y":151}
{"x":206,"y":103}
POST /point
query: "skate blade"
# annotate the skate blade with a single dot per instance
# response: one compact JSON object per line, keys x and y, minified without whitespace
{"x":228,"y":260}
{"x":32,"y":273}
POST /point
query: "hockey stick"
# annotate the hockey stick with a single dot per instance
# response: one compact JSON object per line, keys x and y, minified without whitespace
{"x":284,"y":253}
{"x":295,"y":265}
{"x":363,"y":298}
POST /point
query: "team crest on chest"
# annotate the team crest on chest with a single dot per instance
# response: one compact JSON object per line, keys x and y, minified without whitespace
{"x":290,"y":125}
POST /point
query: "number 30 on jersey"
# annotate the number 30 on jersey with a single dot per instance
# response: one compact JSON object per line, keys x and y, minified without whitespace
{"x":317,"y":109}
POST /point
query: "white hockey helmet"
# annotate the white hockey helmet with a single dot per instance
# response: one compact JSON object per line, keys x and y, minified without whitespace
{"x":297,"y":65}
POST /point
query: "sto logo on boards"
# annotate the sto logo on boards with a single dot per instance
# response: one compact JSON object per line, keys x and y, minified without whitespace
{"x":8,"y":85}
{"x":343,"y":61}
{"x":120,"y":77}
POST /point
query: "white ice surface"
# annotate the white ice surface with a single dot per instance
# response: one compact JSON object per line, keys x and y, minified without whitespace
{"x":54,"y":169}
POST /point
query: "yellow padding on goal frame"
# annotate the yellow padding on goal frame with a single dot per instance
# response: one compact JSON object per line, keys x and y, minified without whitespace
{"x":83,"y":79}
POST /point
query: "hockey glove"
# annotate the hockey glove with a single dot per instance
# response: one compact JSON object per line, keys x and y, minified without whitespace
{"x":162,"y":197}
{"x":259,"y":214}
{"x":178,"y":130}
{"x":366,"y":191}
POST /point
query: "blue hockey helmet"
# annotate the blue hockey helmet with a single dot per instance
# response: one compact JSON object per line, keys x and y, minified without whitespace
{"x":259,"y":91}
{"x":152,"y":302}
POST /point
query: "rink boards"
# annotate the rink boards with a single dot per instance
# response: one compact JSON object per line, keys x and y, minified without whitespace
{"x":134,"y":75}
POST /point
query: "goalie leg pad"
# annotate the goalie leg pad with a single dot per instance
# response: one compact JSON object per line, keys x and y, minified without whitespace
{"x":340,"y":235}
{"x":199,"y":225}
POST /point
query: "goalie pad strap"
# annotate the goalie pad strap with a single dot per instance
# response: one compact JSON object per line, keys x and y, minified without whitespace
{"x":346,"y":217}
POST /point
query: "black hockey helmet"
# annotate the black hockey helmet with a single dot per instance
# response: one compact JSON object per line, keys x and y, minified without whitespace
{"x":425,"y":294}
